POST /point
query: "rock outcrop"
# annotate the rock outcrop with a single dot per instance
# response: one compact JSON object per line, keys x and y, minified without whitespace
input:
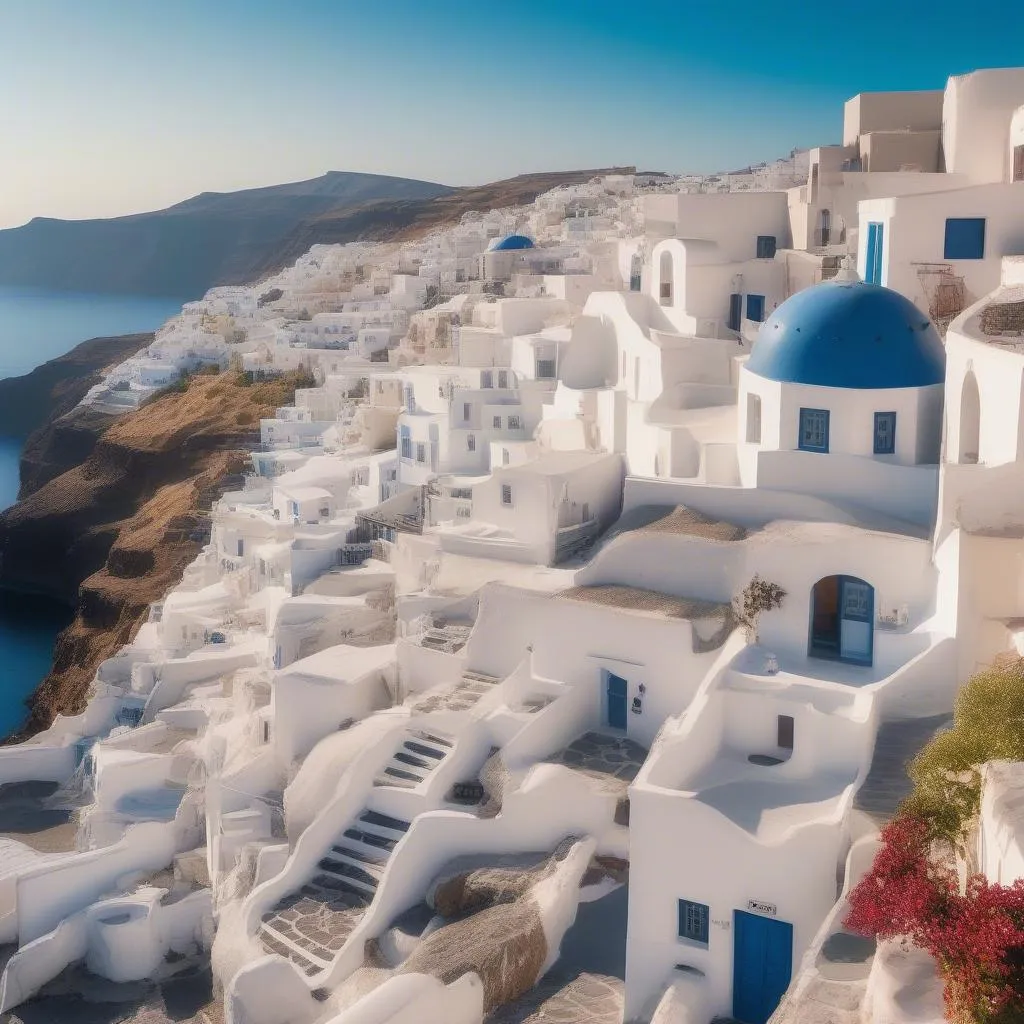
{"x":112,"y":533}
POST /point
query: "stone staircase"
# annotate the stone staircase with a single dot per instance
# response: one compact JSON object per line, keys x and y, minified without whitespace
{"x":310,"y":926}
{"x":461,"y":697}
{"x":421,"y":752}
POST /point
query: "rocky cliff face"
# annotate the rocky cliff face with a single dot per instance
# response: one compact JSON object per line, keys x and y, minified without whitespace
{"x":118,"y":514}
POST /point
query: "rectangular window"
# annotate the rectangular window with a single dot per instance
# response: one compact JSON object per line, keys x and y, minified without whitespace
{"x":497,"y":423}
{"x":1018,"y":163}
{"x":755,"y":308}
{"x":467,"y":410}
{"x":545,"y":369}
{"x":506,"y":494}
{"x":485,"y":379}
{"x":421,"y":453}
{"x":504,"y":456}
{"x":965,"y":238}
{"x":241,"y":548}
{"x":885,"y":433}
{"x":873,"y":257}
{"x":471,"y":442}
{"x":813,"y":430}
{"x":406,"y":443}
{"x":693,"y":921}
{"x":785,"y":732}
{"x":753,"y":419}
{"x":514,"y":423}
{"x":503,"y":378}
{"x":766,"y":247}
{"x":410,"y":400}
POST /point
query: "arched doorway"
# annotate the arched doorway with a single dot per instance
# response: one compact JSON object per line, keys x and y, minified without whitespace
{"x":665,"y":278}
{"x":842,"y":620}
{"x":970,"y":420}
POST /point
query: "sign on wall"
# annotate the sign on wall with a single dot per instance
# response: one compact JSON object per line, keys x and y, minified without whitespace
{"x":762,"y":908}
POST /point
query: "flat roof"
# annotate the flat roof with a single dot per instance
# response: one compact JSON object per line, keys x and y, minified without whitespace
{"x":559,"y":463}
{"x":342,"y":663}
{"x":636,"y":599}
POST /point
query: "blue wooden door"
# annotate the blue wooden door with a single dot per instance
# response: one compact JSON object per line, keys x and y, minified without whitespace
{"x":616,"y":702}
{"x":875,"y":246}
{"x":762,"y":965}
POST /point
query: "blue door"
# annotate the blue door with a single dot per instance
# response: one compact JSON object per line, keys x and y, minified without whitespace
{"x":762,"y":965}
{"x":755,"y":308}
{"x":616,"y":702}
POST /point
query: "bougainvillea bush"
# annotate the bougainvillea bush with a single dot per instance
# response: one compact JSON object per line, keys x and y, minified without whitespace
{"x":976,"y":937}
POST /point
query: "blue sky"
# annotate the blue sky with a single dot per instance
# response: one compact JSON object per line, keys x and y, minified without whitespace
{"x":115,"y":106}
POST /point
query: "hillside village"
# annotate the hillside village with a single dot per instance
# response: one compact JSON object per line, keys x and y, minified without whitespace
{"x":561,"y":654}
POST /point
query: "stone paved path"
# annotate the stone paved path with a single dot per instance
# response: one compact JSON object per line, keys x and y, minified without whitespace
{"x":584,"y":999}
{"x":614,"y":760}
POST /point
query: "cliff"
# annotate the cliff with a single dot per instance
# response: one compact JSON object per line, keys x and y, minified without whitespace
{"x":57,"y":386}
{"x":111,"y":534}
{"x":210,"y":239}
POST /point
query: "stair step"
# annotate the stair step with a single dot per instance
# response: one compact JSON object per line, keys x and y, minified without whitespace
{"x":349,"y":872}
{"x":432,"y":737}
{"x":419,"y":748}
{"x":416,"y":762}
{"x":371,"y":839}
{"x":329,"y":888}
{"x":394,"y":783}
{"x":403,"y":773}
{"x":375,"y":818}
{"x":353,"y":853}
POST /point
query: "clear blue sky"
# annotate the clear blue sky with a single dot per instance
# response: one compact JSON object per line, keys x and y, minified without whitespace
{"x":116,"y":106}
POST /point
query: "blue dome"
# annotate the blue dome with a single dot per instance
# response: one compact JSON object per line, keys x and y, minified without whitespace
{"x":512,"y":242}
{"x":842,"y":334}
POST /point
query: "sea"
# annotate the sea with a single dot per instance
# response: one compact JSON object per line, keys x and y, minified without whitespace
{"x":37,"y":325}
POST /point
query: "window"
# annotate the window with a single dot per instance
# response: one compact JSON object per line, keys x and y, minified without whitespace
{"x":406,"y":443}
{"x":467,"y":411}
{"x":1018,"y":163}
{"x":754,"y":419}
{"x":873,"y":257}
{"x":421,"y":453}
{"x":693,"y":921}
{"x":241,"y":548}
{"x":497,"y":423}
{"x":755,"y":308}
{"x":485,"y":379}
{"x":471,"y":442}
{"x":506,"y":494}
{"x":813,"y":430}
{"x":503,"y":378}
{"x":766,"y":247}
{"x":965,"y":238}
{"x":545,"y":369}
{"x":885,"y":433}
{"x":504,"y":456}
{"x":514,"y":423}
{"x":785,"y":732}
{"x":410,"y":399}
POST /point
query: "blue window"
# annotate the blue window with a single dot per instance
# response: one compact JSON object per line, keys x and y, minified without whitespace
{"x":885,"y":433}
{"x":693,"y":921}
{"x":875,"y":247}
{"x":766,"y":247}
{"x":755,"y":308}
{"x":406,"y":442}
{"x":813,"y":430}
{"x":965,"y":238}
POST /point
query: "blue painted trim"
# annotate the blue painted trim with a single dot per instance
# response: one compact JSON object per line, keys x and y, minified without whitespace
{"x":703,"y":915}
{"x":883,"y":447}
{"x":822,"y":449}
{"x":964,"y":238}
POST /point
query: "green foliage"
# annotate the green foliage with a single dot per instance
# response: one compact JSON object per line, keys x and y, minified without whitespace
{"x":757,"y":596}
{"x":988,"y":725}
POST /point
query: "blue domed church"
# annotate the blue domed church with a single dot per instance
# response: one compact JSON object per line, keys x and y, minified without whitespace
{"x":843,"y":390}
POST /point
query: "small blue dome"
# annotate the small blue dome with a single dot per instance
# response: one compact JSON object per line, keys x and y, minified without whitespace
{"x":512,"y":242}
{"x":842,"y":334}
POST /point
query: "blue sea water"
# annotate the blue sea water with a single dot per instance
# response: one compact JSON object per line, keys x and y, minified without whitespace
{"x":37,"y":325}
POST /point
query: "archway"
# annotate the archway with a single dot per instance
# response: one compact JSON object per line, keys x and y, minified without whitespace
{"x":665,"y":278}
{"x":970,"y":420}
{"x":842,"y":620}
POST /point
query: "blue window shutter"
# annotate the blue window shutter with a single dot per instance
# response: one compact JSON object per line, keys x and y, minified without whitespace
{"x":885,"y":433}
{"x":813,"y":430}
{"x":735,"y":311}
{"x":875,"y":246}
{"x":965,"y":238}
{"x":693,"y":921}
{"x":755,"y":308}
{"x":766,"y":247}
